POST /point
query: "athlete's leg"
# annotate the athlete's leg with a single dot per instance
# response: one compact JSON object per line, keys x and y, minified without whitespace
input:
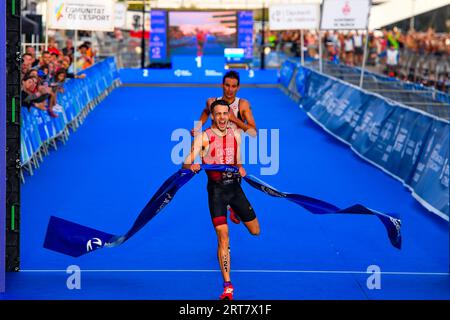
{"x":242,"y":208}
{"x":253,"y":227}
{"x":218,"y":198}
{"x":223,"y":253}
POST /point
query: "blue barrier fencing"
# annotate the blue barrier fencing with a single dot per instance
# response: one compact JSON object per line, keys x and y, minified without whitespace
{"x":39,"y":131}
{"x":414,"y":95}
{"x":408,"y":144}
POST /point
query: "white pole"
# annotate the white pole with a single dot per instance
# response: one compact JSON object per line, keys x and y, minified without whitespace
{"x":320,"y":51}
{"x":24,"y":40}
{"x":75,"y":51}
{"x":364,"y":59}
{"x":33,"y":41}
{"x":47,"y":22}
{"x":37,"y":48}
{"x":411,"y":21}
{"x":301,"y":48}
{"x":365,"y":47}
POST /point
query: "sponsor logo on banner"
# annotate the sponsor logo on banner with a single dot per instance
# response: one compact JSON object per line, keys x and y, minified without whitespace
{"x":182,"y":73}
{"x":293,"y":16}
{"x":213,"y":73}
{"x":93,"y":244}
{"x":346,"y":9}
{"x":272,"y":192}
{"x":345,"y":14}
{"x":59,"y":11}
{"x":165,"y":202}
{"x":396,"y":223}
{"x":89,"y":15}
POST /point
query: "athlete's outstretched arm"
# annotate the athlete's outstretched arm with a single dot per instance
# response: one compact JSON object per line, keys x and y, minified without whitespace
{"x":200,"y":142}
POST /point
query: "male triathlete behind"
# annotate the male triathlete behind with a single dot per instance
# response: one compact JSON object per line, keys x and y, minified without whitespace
{"x":241,"y":117}
{"x":220,"y":144}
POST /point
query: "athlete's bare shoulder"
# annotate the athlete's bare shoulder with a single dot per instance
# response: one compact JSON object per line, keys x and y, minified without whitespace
{"x":209,"y":101}
{"x":244,"y":104}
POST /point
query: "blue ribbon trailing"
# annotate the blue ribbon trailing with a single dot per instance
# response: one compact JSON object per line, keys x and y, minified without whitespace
{"x":391,"y":223}
{"x":75,"y":240}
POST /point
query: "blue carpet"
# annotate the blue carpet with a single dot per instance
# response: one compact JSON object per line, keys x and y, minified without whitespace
{"x":110,"y":167}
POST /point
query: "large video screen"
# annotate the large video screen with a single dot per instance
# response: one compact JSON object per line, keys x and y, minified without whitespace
{"x":200,"y":33}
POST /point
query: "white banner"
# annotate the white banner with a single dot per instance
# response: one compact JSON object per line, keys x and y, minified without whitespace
{"x":120,"y":15}
{"x":345,"y":14}
{"x":294,"y":16}
{"x":91,"y":15}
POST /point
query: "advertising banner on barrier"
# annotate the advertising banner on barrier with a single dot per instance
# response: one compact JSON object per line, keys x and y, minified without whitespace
{"x":301,"y":79}
{"x":345,"y":14}
{"x":411,"y":146}
{"x":286,"y":72}
{"x":90,"y":15}
{"x":431,"y":177}
{"x":401,"y":155}
{"x":294,"y":16}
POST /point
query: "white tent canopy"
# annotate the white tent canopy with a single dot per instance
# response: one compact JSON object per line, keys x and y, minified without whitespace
{"x":396,"y":10}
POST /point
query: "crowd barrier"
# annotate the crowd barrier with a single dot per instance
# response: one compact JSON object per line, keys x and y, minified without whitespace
{"x":391,"y":83}
{"x":408,"y":144}
{"x":40,"y":132}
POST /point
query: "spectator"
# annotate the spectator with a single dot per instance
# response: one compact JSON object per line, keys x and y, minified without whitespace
{"x":54,"y":57}
{"x":359,"y":51}
{"x":30,"y":96}
{"x":349,"y":50}
{"x":90,"y":51}
{"x":69,"y":50}
{"x":58,"y":81}
{"x":414,"y":56}
{"x":53,"y":47}
{"x":45,"y":58}
{"x":84,"y":61}
{"x":32,"y":52}
{"x":28,"y":59}
{"x":25,"y":68}
{"x":372,"y":58}
{"x":44,"y":78}
{"x":392,"y":57}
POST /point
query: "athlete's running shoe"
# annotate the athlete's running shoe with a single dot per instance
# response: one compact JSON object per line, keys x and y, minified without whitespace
{"x":227,"y":292}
